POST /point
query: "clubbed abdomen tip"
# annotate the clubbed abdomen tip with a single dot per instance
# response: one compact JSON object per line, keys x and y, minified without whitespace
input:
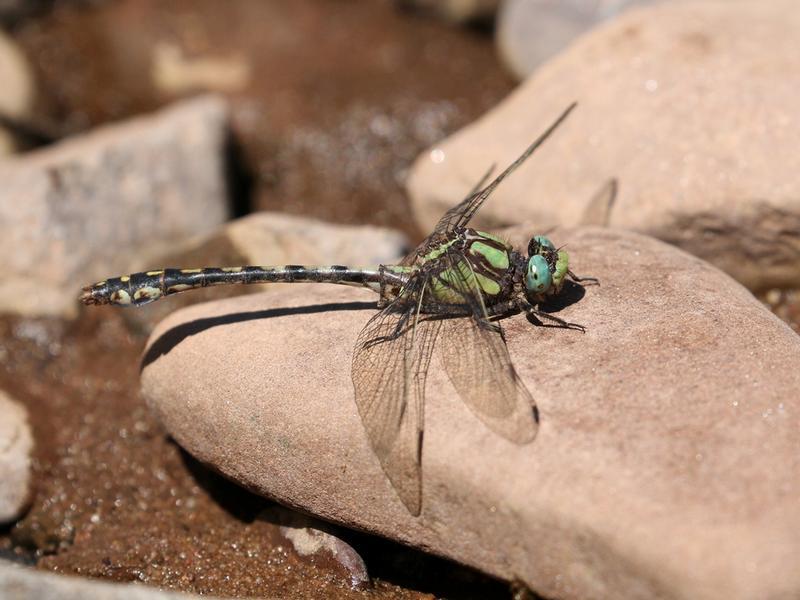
{"x":93,"y":295}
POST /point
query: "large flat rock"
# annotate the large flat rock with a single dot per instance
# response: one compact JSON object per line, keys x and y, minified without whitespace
{"x":667,"y":463}
{"x":693,"y":106}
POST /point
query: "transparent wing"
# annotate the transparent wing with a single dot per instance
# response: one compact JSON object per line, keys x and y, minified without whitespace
{"x":390,"y":366}
{"x":476,"y":359}
{"x":460,"y":215}
{"x":461,"y":279}
{"x":598,"y":210}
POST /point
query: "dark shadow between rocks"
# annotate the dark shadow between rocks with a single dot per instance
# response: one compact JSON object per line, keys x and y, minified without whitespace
{"x":386,"y":560}
{"x":19,"y":554}
{"x":27,"y":134}
{"x":17,"y":557}
{"x":9,"y":554}
{"x":238,"y":502}
{"x":413,"y":569}
{"x":171,"y":338}
{"x":239,"y":177}
{"x":479,"y":25}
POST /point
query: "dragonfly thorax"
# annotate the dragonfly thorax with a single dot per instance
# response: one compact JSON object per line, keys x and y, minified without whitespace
{"x":471,"y":264}
{"x":547,"y":267}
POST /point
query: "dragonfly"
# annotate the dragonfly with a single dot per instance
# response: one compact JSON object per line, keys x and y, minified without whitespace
{"x":450,"y":292}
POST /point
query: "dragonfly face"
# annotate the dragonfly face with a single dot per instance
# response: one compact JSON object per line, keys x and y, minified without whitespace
{"x":547,"y":268}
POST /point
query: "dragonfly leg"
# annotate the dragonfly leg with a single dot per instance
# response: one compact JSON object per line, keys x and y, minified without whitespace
{"x":504,"y":308}
{"x":576,"y":279}
{"x":490,"y":325}
{"x":560,"y":321}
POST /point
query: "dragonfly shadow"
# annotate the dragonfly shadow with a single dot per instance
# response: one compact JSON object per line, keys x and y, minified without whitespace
{"x":171,"y":338}
{"x":570,"y":294}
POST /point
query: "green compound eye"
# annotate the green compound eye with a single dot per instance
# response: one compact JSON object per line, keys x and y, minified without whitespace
{"x":538,"y":279}
{"x":544,"y":242}
{"x":540,"y":245}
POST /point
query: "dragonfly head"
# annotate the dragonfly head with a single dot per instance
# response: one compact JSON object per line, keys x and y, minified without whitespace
{"x":547,"y":268}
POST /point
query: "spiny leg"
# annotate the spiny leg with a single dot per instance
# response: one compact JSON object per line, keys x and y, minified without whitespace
{"x":521,"y":305}
{"x":584,"y":280}
{"x":399,"y":329}
{"x":561,"y":322}
{"x":512,"y":306}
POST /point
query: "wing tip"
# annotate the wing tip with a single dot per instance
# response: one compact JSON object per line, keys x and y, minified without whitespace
{"x":413,"y":504}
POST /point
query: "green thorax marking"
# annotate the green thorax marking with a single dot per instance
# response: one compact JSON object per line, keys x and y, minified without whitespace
{"x":460,"y":284}
{"x":488,"y":254}
{"x":497,"y":258}
{"x":438,"y":251}
{"x":491,"y":236}
{"x":483,"y":270}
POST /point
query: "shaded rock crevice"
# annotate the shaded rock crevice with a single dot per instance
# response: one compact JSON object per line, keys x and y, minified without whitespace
{"x":759,"y":245}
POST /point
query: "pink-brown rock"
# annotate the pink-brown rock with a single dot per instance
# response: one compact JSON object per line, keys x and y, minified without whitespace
{"x":667,"y":463}
{"x":530,"y":31}
{"x":693,"y":106}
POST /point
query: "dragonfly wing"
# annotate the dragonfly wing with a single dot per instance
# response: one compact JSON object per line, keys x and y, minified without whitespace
{"x":390,"y":366}
{"x":598,"y":210}
{"x":434,"y":239}
{"x":475,"y":356}
{"x":459,"y":215}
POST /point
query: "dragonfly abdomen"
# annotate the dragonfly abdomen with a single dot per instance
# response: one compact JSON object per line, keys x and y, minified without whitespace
{"x":141,"y":288}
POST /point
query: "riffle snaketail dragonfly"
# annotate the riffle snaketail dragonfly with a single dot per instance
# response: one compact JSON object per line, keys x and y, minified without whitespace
{"x":450,"y":290}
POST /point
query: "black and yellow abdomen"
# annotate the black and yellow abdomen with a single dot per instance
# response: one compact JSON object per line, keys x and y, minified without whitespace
{"x":141,"y":288}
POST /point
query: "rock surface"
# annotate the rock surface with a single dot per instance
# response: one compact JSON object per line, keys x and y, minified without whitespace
{"x":692,"y":106}
{"x":104,"y":202}
{"x":20,"y":583}
{"x":667,"y":462}
{"x":16,"y":445}
{"x":17,"y":91}
{"x":268,"y":238}
{"x":531,"y":31}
